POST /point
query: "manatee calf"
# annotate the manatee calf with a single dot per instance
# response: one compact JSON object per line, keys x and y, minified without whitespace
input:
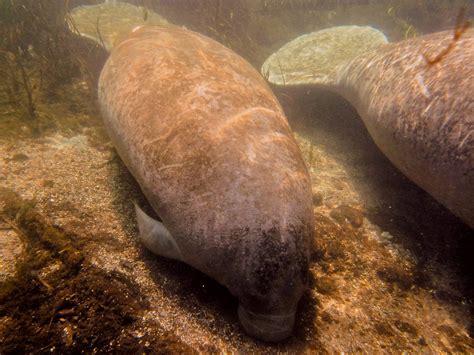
{"x":212,"y":151}
{"x":416,"y":98}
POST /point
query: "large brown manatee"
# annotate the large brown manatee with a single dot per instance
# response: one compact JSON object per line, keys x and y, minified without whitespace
{"x":416,"y":98}
{"x":212,"y":151}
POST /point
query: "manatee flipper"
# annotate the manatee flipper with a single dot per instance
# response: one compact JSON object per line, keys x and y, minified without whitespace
{"x":155,"y":237}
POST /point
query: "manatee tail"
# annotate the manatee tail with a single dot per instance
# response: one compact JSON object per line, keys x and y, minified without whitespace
{"x":109,"y":22}
{"x":317,"y":58}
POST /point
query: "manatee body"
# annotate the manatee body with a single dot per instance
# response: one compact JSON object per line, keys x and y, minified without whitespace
{"x":420,"y":115}
{"x":211,"y":149}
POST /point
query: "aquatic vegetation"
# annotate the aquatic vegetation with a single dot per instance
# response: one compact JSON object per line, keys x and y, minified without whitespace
{"x":460,"y":28}
{"x":58,"y":301}
{"x":37,"y":236}
{"x":18,"y":80}
{"x":47,"y":73}
{"x":408,"y":29}
{"x":38,"y":54}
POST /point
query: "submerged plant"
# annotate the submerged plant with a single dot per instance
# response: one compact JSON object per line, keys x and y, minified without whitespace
{"x":38,"y":53}
{"x":459,"y":29}
{"x":59,"y":302}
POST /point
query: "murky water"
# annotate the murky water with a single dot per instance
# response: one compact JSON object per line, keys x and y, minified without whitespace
{"x":390,"y":268}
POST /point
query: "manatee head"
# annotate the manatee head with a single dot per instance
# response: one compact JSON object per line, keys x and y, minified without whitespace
{"x":275,"y":279}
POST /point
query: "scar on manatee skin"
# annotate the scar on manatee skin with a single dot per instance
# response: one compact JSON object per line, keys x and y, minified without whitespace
{"x":459,"y":29}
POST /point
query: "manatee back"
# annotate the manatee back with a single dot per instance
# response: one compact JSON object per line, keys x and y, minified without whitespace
{"x":421,"y":115}
{"x":210,"y":146}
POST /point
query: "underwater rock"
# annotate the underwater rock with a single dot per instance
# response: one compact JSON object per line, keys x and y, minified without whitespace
{"x":343,"y":214}
{"x":406,"y":328}
{"x":20,"y":157}
{"x":47,"y":183}
{"x":415,"y":98}
{"x":211,"y":148}
{"x":317,"y":198}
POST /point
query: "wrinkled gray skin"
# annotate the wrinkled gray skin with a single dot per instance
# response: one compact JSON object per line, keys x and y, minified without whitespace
{"x":208,"y":143}
{"x":421,"y":116}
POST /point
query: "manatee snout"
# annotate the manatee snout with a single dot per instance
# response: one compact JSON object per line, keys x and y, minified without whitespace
{"x":272,"y":319}
{"x":276,"y":282}
{"x":270,"y":327}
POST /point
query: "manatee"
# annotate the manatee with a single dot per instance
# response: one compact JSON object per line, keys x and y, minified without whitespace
{"x":209,"y":145}
{"x":416,"y":98}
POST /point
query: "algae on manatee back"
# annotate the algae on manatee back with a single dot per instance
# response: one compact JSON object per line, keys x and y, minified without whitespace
{"x":108,"y":23}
